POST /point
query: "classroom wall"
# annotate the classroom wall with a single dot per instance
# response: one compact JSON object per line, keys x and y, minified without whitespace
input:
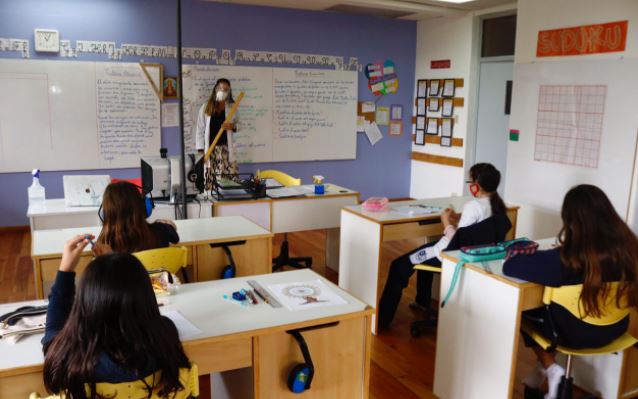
{"x":442,"y":39}
{"x":380,"y":170}
{"x":537,"y":220}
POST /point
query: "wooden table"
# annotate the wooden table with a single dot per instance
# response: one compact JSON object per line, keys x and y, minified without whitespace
{"x":235,"y":337}
{"x":478,"y":338}
{"x":252,"y":254}
{"x":363,"y":234}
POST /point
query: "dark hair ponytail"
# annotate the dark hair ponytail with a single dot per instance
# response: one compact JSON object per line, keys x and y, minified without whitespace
{"x":488,"y":178}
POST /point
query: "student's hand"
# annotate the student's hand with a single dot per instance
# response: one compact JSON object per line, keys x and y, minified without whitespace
{"x":168,"y":222}
{"x":102,"y":249}
{"x":72,"y":251}
{"x":228,"y":126}
{"x":448,"y":217}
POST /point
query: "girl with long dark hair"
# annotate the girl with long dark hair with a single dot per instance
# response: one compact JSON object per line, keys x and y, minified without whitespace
{"x":484,"y":180}
{"x":110,"y":330}
{"x":595,"y":247}
{"x":124,"y":225}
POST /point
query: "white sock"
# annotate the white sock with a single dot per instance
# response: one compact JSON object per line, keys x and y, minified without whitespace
{"x":536,"y":377}
{"x":554,"y":374}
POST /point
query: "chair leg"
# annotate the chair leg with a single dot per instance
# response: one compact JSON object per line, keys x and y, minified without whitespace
{"x":284,"y":258}
{"x":566,"y":387}
{"x":185,"y":276}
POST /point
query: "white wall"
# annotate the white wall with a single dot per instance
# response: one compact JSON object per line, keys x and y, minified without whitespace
{"x":540,"y":217}
{"x":441,"y":39}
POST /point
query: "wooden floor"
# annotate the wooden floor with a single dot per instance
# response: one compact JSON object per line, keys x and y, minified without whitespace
{"x":402,"y":367}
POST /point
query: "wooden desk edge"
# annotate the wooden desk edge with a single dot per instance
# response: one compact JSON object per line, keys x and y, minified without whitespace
{"x":367,"y":312}
{"x":472,"y":266}
{"x":409,"y":219}
{"x":179,"y":244}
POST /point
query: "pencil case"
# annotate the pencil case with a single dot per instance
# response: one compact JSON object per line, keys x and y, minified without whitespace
{"x":375,"y":204}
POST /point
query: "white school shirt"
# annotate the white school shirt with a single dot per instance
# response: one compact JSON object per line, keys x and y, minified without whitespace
{"x":474,"y":211}
{"x":202,"y":130}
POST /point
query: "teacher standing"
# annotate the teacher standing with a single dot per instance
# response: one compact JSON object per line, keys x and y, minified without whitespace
{"x":210,"y":119}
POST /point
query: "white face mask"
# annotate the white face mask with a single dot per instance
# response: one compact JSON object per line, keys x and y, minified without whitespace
{"x":221,"y":95}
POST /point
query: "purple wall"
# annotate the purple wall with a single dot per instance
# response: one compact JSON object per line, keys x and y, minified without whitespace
{"x":380,"y":170}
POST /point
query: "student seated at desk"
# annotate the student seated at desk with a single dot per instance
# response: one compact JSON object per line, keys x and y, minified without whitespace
{"x":595,"y":246}
{"x":124,"y":226}
{"x":110,"y":331}
{"x":484,"y":180}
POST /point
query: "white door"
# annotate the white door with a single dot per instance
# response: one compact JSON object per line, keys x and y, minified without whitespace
{"x":492,"y":129}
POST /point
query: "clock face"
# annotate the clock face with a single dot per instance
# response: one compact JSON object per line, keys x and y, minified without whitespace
{"x":47,"y":40}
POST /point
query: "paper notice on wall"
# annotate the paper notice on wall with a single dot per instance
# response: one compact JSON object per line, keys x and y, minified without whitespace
{"x":361,"y":124}
{"x":373,"y":133}
{"x":170,"y":114}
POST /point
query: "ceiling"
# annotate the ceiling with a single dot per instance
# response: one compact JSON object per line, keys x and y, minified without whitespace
{"x":403,"y":9}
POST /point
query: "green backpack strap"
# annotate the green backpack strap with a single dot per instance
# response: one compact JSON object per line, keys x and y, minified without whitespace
{"x":470,"y":255}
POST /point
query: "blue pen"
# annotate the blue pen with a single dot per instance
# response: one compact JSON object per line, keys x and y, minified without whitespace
{"x":88,"y":237}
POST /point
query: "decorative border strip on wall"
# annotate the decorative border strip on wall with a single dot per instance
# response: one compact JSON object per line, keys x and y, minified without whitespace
{"x":456,"y":142}
{"x":225,"y":57}
{"x":438,"y":159}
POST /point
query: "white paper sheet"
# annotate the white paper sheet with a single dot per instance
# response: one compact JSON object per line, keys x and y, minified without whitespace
{"x":368,"y":107}
{"x":417,"y":210}
{"x":185,"y":328}
{"x":170,"y":114}
{"x":305,"y":295}
{"x":373,"y":133}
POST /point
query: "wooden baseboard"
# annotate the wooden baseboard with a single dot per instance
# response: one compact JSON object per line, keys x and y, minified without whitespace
{"x":15,"y":229}
{"x":438,"y":159}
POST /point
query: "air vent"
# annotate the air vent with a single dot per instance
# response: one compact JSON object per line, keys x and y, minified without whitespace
{"x":377,"y":12}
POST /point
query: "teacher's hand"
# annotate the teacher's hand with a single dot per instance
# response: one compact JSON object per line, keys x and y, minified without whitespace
{"x":72,"y":251}
{"x":228,"y":126}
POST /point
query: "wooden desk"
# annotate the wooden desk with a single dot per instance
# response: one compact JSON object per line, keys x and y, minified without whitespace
{"x":235,"y":337}
{"x":478,"y":338}
{"x":252,"y":257}
{"x":286,"y":215}
{"x":54,"y":214}
{"x":363,"y":233}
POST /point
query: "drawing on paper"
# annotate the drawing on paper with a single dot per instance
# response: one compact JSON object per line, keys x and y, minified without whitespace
{"x":569,"y":124}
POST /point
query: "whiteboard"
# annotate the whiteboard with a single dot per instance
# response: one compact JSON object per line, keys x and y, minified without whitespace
{"x":67,"y":115}
{"x":542,"y":185}
{"x":287,"y":114}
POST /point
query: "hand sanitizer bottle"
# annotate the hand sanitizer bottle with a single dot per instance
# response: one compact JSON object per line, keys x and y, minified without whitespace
{"x":36,"y":191}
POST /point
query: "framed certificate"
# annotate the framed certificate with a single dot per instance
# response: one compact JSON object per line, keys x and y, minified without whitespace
{"x":447,"y":125}
{"x":446,"y":141}
{"x":448,"y":88}
{"x":447,"y":110}
{"x":419,"y":138}
{"x":432,"y":126}
{"x":421,"y":88}
{"x":435,"y":88}
{"x":434,"y":104}
{"x":420,"y":107}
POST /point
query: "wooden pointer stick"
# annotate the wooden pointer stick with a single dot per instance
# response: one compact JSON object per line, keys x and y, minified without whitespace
{"x":221,"y":129}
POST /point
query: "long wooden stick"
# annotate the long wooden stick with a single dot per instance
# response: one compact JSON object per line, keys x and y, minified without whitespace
{"x":221,"y":129}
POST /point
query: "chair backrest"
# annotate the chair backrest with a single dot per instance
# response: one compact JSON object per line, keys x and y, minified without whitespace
{"x":280,"y":176}
{"x":172,"y":258}
{"x":568,"y":296}
{"x":489,"y":231}
{"x":138,"y":389}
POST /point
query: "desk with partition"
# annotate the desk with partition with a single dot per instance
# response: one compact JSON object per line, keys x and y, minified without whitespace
{"x":478,"y":338}
{"x":252,"y":252}
{"x":234,"y":337}
{"x":363,"y":234}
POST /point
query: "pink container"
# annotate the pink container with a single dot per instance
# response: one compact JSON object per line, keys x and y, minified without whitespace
{"x":375,"y":204}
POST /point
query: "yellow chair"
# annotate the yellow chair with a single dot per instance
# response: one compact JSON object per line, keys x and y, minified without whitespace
{"x":284,"y":258}
{"x":171,"y":259}
{"x":139,"y":389}
{"x":280,"y":176}
{"x":568,"y":296}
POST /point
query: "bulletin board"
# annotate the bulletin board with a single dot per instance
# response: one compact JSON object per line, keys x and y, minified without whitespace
{"x":591,"y":140}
